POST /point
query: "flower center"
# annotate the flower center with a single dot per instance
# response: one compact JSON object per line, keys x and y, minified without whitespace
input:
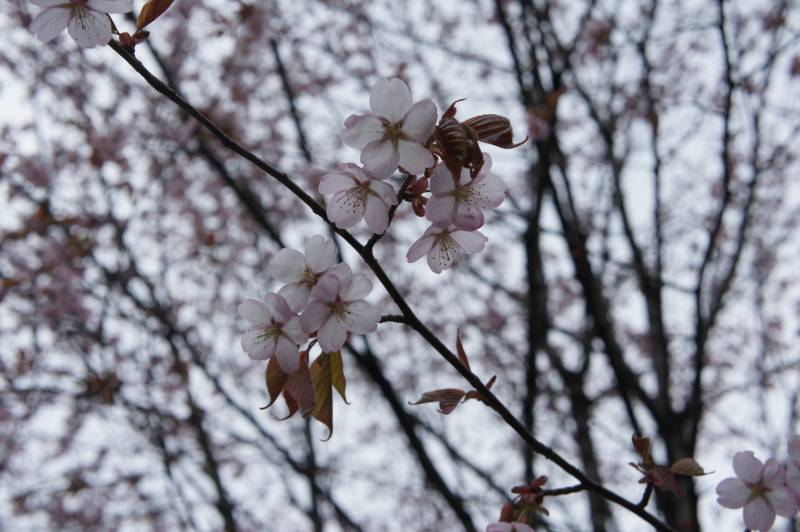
{"x":447,"y":245}
{"x":309,"y":278}
{"x":393,"y":132}
{"x":270,"y":332}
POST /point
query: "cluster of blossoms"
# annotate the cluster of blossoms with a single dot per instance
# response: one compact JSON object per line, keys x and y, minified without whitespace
{"x":763,"y":489}
{"x":441,"y":159}
{"x":86,"y":20}
{"x":319,"y":298}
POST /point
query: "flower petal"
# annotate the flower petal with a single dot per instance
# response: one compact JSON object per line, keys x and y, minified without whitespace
{"x":327,"y":288}
{"x":414,"y":157}
{"x":332,"y":335}
{"x":49,"y":23}
{"x":294,"y":331}
{"x":320,"y":253}
{"x":732,"y":493}
{"x":361,"y":317}
{"x":440,"y":209}
{"x":421,"y":247}
{"x":48,"y":3}
{"x":390,"y":99}
{"x":420,"y":120}
{"x":747,"y":467}
{"x":257,"y":345}
{"x":470,"y":241}
{"x":90,"y":28}
{"x":287,"y":266}
{"x":380,"y":157}
{"x":254,"y":311}
{"x":287,"y":354}
{"x":758,"y":514}
{"x":296,"y":295}
{"x":384,"y":190}
{"x":314,"y":316}
{"x":376,"y":215}
{"x":794,"y":448}
{"x":442,"y":181}
{"x":359,"y":287}
{"x":444,"y":253}
{"x":346,"y":208}
{"x":782,"y":501}
{"x":336,"y":182}
{"x":111,"y":6}
{"x":487,"y":192}
{"x":772,"y":474}
{"x":360,"y":130}
{"x":468,"y":217}
{"x":278,"y":308}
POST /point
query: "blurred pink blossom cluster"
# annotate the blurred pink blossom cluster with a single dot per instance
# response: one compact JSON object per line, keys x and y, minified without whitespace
{"x":763,"y":489}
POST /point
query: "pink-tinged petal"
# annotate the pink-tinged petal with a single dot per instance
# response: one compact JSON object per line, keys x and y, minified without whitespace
{"x":314,"y":316}
{"x":327,"y":288}
{"x":287,"y":266}
{"x":359,"y":173}
{"x":296,"y":295}
{"x":381,"y":158}
{"x":421,"y":247}
{"x":90,"y":28}
{"x":111,"y":6}
{"x":732,"y":493}
{"x":420,"y":120}
{"x":278,"y":308}
{"x":444,"y":253}
{"x":359,"y":287}
{"x":794,"y":448}
{"x":376,"y":215}
{"x":414,"y":157}
{"x":336,"y":182}
{"x":346,"y":208}
{"x":257,"y":345}
{"x":287,"y":354}
{"x":341,"y":270}
{"x":294,"y":331}
{"x":782,"y":501}
{"x":793,"y":478}
{"x":384,"y":190}
{"x":440,"y":209}
{"x":772,"y":474}
{"x":488,"y":192}
{"x":254,"y":311}
{"x":360,"y":130}
{"x":758,"y":514}
{"x":332,"y":335}
{"x":320,"y":253}
{"x":470,"y":242}
{"x":49,"y":23}
{"x":442,"y":182}
{"x":361,"y":317}
{"x":390,"y":99}
{"x":468,"y":217}
{"x":747,"y":467}
{"x":48,"y":3}
{"x":499,"y":527}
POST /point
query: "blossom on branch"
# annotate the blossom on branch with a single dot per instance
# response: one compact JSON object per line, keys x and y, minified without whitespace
{"x":394,"y":132}
{"x":462,"y":202}
{"x":356,"y":194}
{"x":759,"y":489}
{"x":87,"y":21}
{"x":337,"y":308}
{"x":276,"y":331}
{"x":445,"y":246}
{"x":301,"y":272}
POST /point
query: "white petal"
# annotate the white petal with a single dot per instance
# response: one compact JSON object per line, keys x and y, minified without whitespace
{"x":341,"y":270}
{"x":772,"y":474}
{"x":257,"y":345}
{"x":487,"y":192}
{"x":294,"y":331}
{"x":287,"y":354}
{"x":390,"y":99}
{"x":380,"y":157}
{"x":443,"y":254}
{"x":320,"y":253}
{"x":254,"y":311}
{"x":359,"y":287}
{"x":346,"y":208}
{"x":89,"y":28}
{"x":422,"y":246}
{"x":468,"y":217}
{"x":361,"y":317}
{"x":332,"y":335}
{"x":278,"y":308}
{"x":758,"y":515}
{"x":287,"y":266}
{"x":470,"y":241}
{"x":441,"y":181}
{"x":732,"y":493}
{"x":314,"y":316}
{"x":376,"y":215}
{"x":360,"y":130}
{"x":384,"y":190}
{"x":327,"y":288}
{"x":747,"y":467}
{"x":414,"y":158}
{"x":111,"y":6}
{"x":335,"y":182}
{"x":48,"y":3}
{"x":440,"y":209}
{"x":794,"y":448}
{"x":782,"y":501}
{"x":49,"y":23}
{"x":420,"y":120}
{"x":296,"y":295}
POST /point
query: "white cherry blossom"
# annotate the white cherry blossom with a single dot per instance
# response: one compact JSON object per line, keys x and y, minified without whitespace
{"x":276,"y":331}
{"x":302,"y":271}
{"x":86,"y":20}
{"x":461,"y":203}
{"x":392,"y":134}
{"x":445,"y":246}
{"x":338,"y":308}
{"x":759,"y":489}
{"x":355,"y":194}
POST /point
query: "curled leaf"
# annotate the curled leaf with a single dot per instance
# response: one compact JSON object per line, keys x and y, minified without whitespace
{"x":448,"y":399}
{"x":276,"y":380}
{"x":462,"y":355}
{"x":151,"y":11}
{"x":493,"y":129}
{"x":688,"y":467}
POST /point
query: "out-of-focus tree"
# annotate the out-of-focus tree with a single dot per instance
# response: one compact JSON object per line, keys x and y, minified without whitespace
{"x":640,"y":276}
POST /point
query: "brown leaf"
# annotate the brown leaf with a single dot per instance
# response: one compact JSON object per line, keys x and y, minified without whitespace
{"x":688,"y":467}
{"x":642,"y":446}
{"x":448,"y":399}
{"x":300,"y":387}
{"x":493,"y":129}
{"x":462,"y":355}
{"x":327,"y":374}
{"x":291,"y":405}
{"x":276,"y":380}
{"x":475,"y":394}
{"x":151,"y":11}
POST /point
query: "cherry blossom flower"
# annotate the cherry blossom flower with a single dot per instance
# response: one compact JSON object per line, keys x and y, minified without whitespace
{"x":86,"y":20}
{"x":509,"y":527}
{"x":392,"y":134}
{"x":793,"y":468}
{"x":276,"y":331}
{"x":338,"y":308}
{"x":301,"y":272}
{"x":462,"y":203}
{"x":357,"y":194}
{"x":445,"y":246}
{"x":759,"y":489}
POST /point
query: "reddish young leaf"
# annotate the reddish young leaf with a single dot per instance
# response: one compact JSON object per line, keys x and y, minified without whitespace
{"x":300,"y":387}
{"x":493,"y":129}
{"x":448,"y":399}
{"x":151,"y":11}
{"x":327,"y":374}
{"x":462,"y":355}
{"x":276,"y":380}
{"x":475,"y":394}
{"x":688,"y":467}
